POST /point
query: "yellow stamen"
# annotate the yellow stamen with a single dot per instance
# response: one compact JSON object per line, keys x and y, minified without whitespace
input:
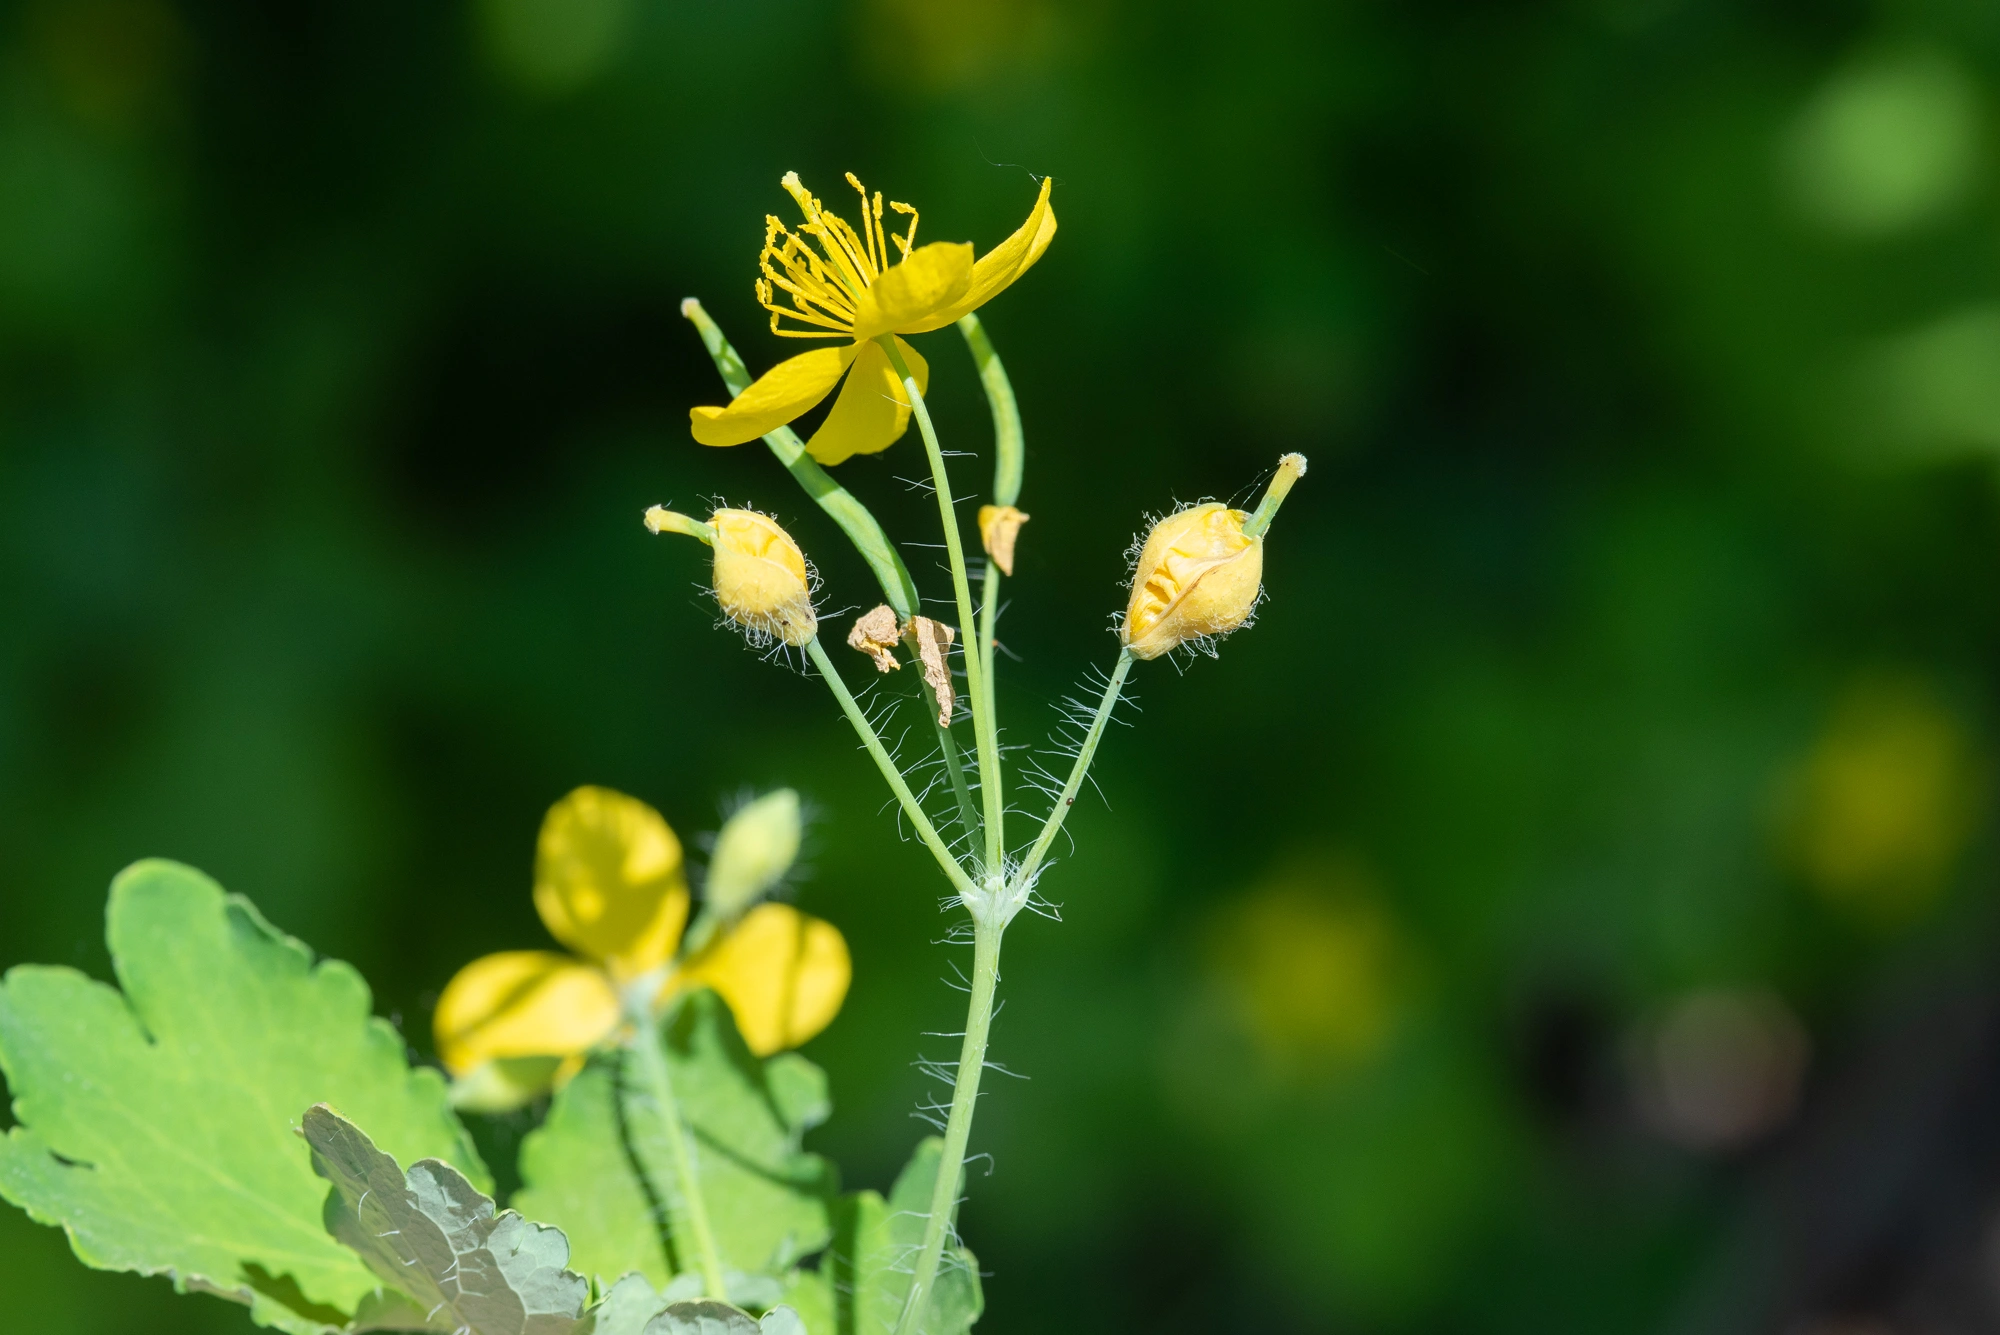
{"x":875,"y":263}
{"x":908,"y":240}
{"x":875,"y":224}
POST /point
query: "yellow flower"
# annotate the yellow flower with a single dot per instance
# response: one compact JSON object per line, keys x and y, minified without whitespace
{"x":610,"y":884}
{"x":838,"y":283}
{"x":1198,"y":575}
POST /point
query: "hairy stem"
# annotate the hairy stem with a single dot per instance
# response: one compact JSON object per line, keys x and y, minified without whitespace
{"x":645,"y":1047}
{"x":975,"y":674}
{"x":1025,"y":877}
{"x":938,"y":1227}
{"x":968,"y":812}
{"x":925,"y":830}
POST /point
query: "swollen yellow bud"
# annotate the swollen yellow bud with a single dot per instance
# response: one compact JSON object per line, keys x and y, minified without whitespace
{"x":756,"y":848}
{"x":760,"y":577}
{"x":1197,"y":575}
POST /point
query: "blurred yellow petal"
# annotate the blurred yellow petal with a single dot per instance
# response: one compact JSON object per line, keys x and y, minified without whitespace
{"x":609,"y":882}
{"x":909,"y":295}
{"x":522,"y":1003}
{"x":782,"y":393}
{"x":999,"y":267}
{"x":505,"y":1083}
{"x":872,"y":412}
{"x":783,"y":973}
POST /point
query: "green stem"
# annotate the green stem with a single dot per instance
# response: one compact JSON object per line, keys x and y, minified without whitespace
{"x":1009,"y":452}
{"x":1024,"y":879}
{"x":898,"y":589}
{"x":968,"y":813}
{"x":975,"y":673}
{"x":989,"y":601}
{"x":925,"y":830}
{"x":1009,"y":464}
{"x":958,"y":1126}
{"x":645,"y":1045}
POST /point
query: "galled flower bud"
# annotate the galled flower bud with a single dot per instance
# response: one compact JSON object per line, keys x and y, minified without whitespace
{"x":760,"y":577}
{"x":755,"y":849}
{"x":1197,"y":575}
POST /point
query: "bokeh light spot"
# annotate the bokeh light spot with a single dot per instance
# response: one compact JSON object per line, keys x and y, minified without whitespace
{"x":553,"y":46}
{"x":1882,"y":806}
{"x":1307,"y":961}
{"x":1720,"y":1067}
{"x":1887,"y":144}
{"x":1935,"y":391}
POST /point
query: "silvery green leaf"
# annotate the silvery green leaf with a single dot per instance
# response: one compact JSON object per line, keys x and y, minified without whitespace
{"x":782,"y":1321}
{"x":436,"y":1237}
{"x":703,"y":1318}
{"x":624,"y":1310}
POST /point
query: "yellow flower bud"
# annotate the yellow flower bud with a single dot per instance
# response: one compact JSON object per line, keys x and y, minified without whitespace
{"x":1197,"y":575}
{"x":756,"y":848}
{"x":761,"y":578}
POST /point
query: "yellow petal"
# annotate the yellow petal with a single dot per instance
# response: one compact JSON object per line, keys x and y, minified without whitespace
{"x":780,"y":394}
{"x":609,"y":882}
{"x":522,"y":1003}
{"x":999,"y":267}
{"x":932,"y":278}
{"x":783,"y":973}
{"x":873,"y":411}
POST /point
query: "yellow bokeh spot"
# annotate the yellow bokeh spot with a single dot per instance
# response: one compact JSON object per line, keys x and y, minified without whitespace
{"x":609,"y":881}
{"x":1883,"y":805}
{"x":1309,"y":962}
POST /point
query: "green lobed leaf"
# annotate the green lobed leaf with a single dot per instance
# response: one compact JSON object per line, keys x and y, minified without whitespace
{"x":869,"y":1264}
{"x":157,"y":1123}
{"x":436,"y":1237}
{"x":769,"y":1202}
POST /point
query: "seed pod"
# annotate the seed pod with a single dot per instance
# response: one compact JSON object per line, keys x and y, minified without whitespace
{"x":760,"y":577}
{"x":1197,"y":575}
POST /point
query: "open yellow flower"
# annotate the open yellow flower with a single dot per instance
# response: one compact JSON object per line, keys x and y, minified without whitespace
{"x":611,"y":885}
{"x":837,"y":283}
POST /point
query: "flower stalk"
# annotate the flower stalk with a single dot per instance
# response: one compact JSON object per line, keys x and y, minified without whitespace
{"x":644,"y":1049}
{"x":938,"y":1226}
{"x":1024,"y":879}
{"x":975,"y":673}
{"x":887,"y":764}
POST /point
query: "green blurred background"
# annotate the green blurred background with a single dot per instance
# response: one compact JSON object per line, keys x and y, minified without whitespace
{"x":1571,"y":909}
